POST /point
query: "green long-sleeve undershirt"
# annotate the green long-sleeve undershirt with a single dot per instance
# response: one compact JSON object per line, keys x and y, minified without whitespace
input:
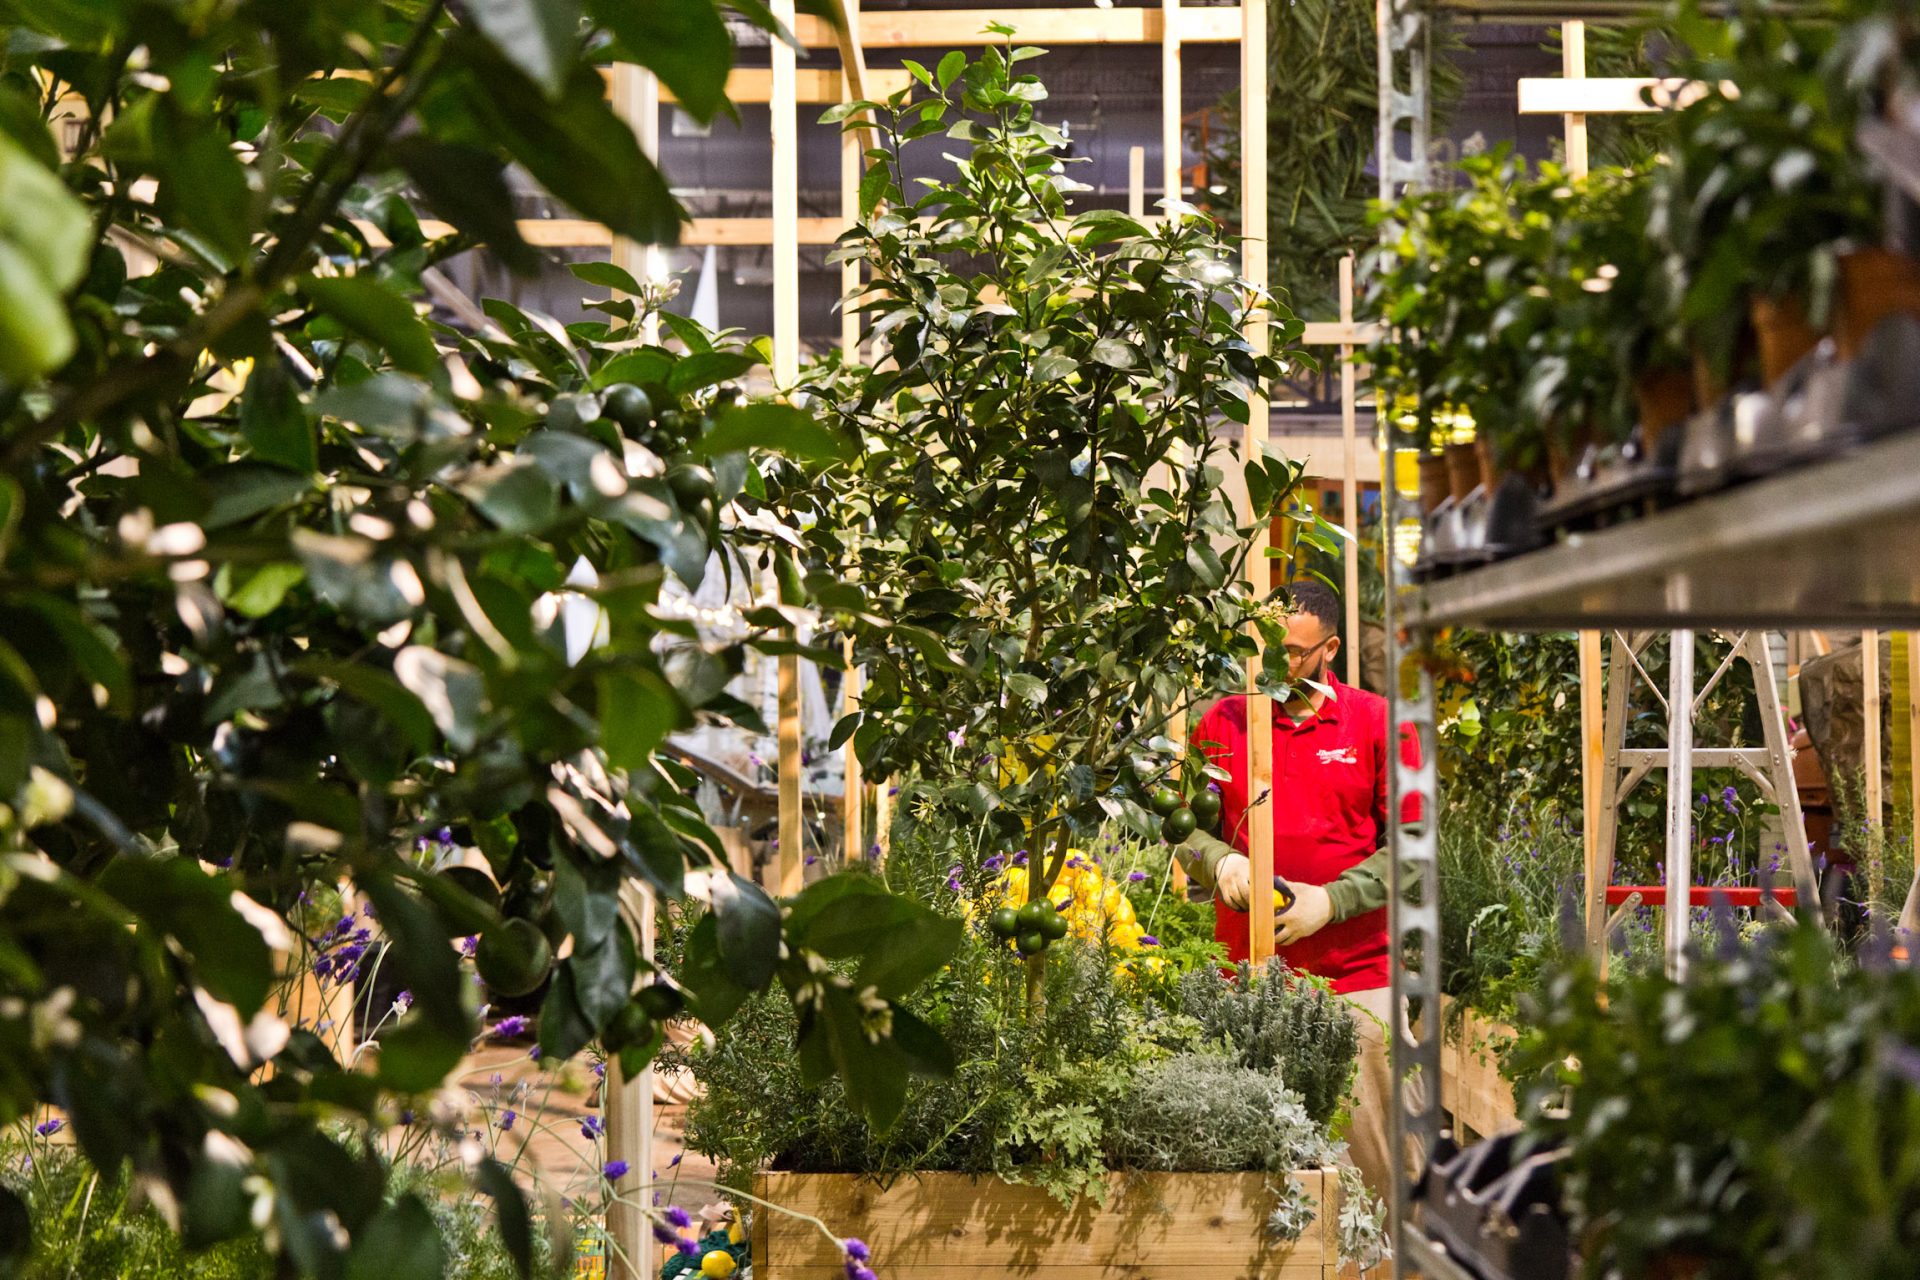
{"x":1359,"y":889}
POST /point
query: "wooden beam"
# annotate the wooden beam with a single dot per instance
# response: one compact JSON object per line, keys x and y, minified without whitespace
{"x":1870,"y":718}
{"x":1573,"y":65}
{"x":759,"y":231}
{"x":1172,"y":187}
{"x":1343,"y":333}
{"x":966,"y":28}
{"x":1603,"y":95}
{"x":852,"y":787}
{"x":1253,"y":223}
{"x":579,"y":233}
{"x":786,"y":371}
{"x":812,"y":85}
{"x":1350,"y":477}
{"x":629,"y":1102}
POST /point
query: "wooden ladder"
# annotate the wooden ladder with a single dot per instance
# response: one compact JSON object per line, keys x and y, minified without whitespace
{"x":1770,"y":766}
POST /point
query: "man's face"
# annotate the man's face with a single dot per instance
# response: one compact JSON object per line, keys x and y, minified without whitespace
{"x":1310,"y":647}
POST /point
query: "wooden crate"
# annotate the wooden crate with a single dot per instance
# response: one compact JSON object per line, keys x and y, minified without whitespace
{"x":947,"y":1226}
{"x":1471,"y":1086}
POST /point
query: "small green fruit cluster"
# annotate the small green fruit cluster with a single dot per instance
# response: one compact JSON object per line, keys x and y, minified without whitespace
{"x":1180,"y":817}
{"x":655,"y":418}
{"x":1032,"y":927}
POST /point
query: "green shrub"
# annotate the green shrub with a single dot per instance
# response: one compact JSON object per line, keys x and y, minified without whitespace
{"x":1283,"y":1022}
{"x":1202,"y":1113}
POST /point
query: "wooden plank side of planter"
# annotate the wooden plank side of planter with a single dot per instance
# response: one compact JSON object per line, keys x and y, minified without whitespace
{"x":1471,"y":1086}
{"x":946,"y":1226}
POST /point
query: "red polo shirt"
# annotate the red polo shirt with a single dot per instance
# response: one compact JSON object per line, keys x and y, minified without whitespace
{"x":1329,"y":813}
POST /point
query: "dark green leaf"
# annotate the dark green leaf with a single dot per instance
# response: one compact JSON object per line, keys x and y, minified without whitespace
{"x":578,"y":149}
{"x":401,"y":1243}
{"x":510,"y":1207}
{"x":637,"y":711}
{"x":749,"y":930}
{"x":416,"y":1056}
{"x":468,"y":187}
{"x":538,"y":36}
{"x":275,"y":422}
{"x":706,"y":368}
{"x":684,"y":42}
{"x":716,"y":996}
{"x":378,"y":314}
{"x":780,"y":428}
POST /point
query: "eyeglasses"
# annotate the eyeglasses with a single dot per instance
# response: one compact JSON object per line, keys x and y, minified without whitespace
{"x":1296,"y":654}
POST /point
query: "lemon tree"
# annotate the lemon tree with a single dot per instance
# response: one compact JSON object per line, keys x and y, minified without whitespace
{"x":1040,"y":505}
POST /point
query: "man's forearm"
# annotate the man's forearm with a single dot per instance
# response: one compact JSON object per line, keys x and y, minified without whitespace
{"x":1201,"y":854}
{"x":1360,"y":888}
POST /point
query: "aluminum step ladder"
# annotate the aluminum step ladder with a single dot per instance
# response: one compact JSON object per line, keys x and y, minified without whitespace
{"x":1624,"y":768}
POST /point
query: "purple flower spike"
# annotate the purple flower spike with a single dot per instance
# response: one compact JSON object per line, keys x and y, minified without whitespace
{"x":509,"y":1027}
{"x":856,"y":1249}
{"x":678,"y":1217}
{"x":688,"y":1248}
{"x":858,"y":1271}
{"x":507,"y":1118}
{"x":665,"y":1234}
{"x":592,"y":1127}
{"x":675,"y":1162}
{"x":47,"y":1128}
{"x":615,"y":1170}
{"x":1136,"y":876}
{"x":1148,"y":940}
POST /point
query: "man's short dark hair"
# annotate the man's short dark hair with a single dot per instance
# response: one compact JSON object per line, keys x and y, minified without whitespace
{"x":1310,"y":595}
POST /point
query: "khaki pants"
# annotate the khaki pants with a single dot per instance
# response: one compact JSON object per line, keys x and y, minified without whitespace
{"x":1369,"y":1140}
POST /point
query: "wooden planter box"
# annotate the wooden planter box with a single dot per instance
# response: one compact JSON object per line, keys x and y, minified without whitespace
{"x":947,"y":1226}
{"x":1471,"y":1086}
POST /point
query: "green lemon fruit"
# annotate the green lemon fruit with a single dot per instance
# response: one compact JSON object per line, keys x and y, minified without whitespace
{"x":1206,"y":808}
{"x":1031,"y":942}
{"x":1179,"y":825}
{"x":627,"y":405}
{"x":1164,"y":800}
{"x":691,"y":483}
{"x":1054,"y":926}
{"x":1033,"y":915}
{"x":661,"y":1001}
{"x":1005,"y":922}
{"x":513,"y":959}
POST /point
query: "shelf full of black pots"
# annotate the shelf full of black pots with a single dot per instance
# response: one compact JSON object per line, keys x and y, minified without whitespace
{"x":1796,"y":506}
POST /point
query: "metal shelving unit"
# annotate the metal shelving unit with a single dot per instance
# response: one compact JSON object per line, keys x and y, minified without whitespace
{"x":1834,"y":544}
{"x":1831,"y":544}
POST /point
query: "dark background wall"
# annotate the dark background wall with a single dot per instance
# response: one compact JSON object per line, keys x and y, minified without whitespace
{"x":1107,"y":95}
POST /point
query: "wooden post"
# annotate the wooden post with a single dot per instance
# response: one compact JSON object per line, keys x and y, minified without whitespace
{"x":1573,"y":66}
{"x":852,"y":144}
{"x":1172,"y":187}
{"x":1593,"y":745}
{"x":1136,"y":182}
{"x":1913,"y":742}
{"x":628,"y":1103}
{"x":1350,"y":474}
{"x":786,"y":371}
{"x":1253,"y":227}
{"x":1870,"y":717}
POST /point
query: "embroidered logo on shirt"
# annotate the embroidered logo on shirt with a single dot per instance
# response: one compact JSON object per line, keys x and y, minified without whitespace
{"x":1337,"y":755}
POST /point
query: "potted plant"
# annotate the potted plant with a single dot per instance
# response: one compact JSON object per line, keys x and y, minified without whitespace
{"x":1765,"y":202}
{"x":1756,"y":1120}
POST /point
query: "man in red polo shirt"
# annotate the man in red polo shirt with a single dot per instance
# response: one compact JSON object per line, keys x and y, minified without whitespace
{"x":1330,"y":788}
